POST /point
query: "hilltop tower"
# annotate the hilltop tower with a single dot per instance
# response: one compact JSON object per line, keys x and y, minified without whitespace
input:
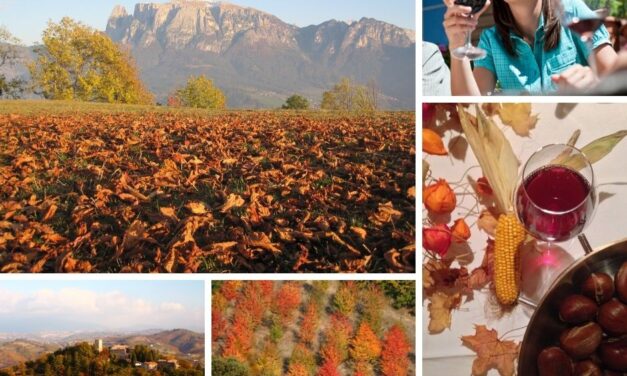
{"x":98,"y":345}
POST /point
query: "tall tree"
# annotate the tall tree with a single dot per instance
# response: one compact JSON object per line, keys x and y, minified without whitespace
{"x":365,"y":347}
{"x":9,"y":55}
{"x":349,"y":96}
{"x":79,"y":62}
{"x":394,"y":357}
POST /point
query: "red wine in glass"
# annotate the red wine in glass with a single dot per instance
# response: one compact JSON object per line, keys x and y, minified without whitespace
{"x":468,"y":51}
{"x":554,"y":203}
{"x":476,"y":5}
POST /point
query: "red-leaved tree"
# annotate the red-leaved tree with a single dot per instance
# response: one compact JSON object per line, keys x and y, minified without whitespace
{"x":230,"y":289}
{"x":328,"y":369}
{"x":218,"y":325}
{"x":394,"y":356}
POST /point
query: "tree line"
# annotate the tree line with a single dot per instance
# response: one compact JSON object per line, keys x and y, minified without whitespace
{"x":78,"y":62}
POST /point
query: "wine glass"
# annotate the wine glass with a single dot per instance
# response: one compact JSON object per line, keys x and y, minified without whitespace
{"x":468,"y":50}
{"x":586,"y":25}
{"x":554,"y":201}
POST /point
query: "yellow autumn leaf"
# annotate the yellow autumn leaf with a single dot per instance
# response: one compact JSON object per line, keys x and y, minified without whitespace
{"x":519,"y":117}
{"x":233,"y":201}
{"x":440,"y":306}
{"x":196,"y":207}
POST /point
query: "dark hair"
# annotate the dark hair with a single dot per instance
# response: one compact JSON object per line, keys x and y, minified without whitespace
{"x":504,"y":20}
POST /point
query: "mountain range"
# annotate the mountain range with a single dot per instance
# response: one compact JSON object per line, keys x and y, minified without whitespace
{"x":258,"y":59}
{"x":15,"y":349}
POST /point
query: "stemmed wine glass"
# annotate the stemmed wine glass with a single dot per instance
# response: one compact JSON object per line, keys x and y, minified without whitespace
{"x":468,"y":50}
{"x":554,"y":201}
{"x":585,"y":25}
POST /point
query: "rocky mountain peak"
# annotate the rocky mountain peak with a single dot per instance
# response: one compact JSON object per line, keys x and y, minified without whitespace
{"x":243,"y":47}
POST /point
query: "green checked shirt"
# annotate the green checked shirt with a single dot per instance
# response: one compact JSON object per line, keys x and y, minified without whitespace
{"x":530,"y":72}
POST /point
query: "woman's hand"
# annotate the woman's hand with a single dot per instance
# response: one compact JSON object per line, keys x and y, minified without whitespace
{"x":575,"y":78}
{"x":457,"y":22}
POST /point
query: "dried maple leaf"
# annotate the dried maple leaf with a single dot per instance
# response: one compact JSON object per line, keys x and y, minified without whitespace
{"x":440,"y":306}
{"x":519,"y":117}
{"x":492,"y":353}
{"x":261,"y":240}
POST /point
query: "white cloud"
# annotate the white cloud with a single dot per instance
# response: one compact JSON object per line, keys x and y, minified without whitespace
{"x":113,"y":310}
{"x":171,"y":306}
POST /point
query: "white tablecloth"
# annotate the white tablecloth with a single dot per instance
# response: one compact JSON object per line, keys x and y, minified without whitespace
{"x":443,"y":354}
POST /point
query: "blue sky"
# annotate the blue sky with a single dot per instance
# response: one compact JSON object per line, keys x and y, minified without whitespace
{"x":36,"y":306}
{"x":27,"y":18}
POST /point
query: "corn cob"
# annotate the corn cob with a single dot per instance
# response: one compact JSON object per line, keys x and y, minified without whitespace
{"x":509,"y":235}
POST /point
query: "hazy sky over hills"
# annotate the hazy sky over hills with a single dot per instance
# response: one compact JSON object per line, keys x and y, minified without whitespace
{"x":26,"y":19}
{"x":44,"y":306}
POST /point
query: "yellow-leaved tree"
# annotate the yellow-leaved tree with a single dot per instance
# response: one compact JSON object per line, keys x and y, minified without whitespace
{"x":199,"y":92}
{"x":78,"y":62}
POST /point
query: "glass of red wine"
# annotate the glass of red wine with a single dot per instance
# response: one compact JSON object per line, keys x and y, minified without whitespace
{"x":554,"y":201}
{"x":585,"y":25}
{"x":469,"y":51}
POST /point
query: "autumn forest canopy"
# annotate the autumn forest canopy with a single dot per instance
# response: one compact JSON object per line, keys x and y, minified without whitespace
{"x":320,"y":328}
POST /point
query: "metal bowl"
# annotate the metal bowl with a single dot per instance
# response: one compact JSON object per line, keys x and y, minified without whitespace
{"x":544,"y":326}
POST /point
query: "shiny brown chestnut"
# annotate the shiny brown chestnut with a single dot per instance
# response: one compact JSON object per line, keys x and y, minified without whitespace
{"x":587,"y":368}
{"x":612,"y":317}
{"x":598,"y":287}
{"x":553,"y":361}
{"x":577,"y":309}
{"x":613,"y":354}
{"x":581,"y":341}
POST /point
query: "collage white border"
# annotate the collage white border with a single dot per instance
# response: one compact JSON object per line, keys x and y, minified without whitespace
{"x":208,"y":278}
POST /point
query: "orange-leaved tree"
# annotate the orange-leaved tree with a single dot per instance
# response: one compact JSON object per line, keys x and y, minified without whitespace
{"x":297,"y":370}
{"x":239,"y":340}
{"x":287,"y":300}
{"x":365,"y":346}
{"x":394,"y":356}
{"x":309,"y":324}
{"x":230,"y":289}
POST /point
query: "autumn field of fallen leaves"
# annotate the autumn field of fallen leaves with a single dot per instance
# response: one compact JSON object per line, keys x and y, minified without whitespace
{"x":228,"y":192}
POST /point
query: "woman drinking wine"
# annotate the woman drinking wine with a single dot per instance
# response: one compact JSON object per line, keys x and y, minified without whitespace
{"x":528,"y":51}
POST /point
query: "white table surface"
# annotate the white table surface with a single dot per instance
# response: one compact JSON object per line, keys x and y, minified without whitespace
{"x":443,"y":354}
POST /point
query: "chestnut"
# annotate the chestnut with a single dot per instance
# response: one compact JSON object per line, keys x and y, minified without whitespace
{"x":613,"y":353}
{"x":613,"y":317}
{"x":577,"y":309}
{"x":581,"y":341}
{"x":587,"y":368}
{"x":553,"y":361}
{"x":598,"y":287}
{"x":621,"y":283}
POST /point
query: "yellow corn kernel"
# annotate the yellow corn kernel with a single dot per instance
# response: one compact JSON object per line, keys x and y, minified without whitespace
{"x":509,"y":235}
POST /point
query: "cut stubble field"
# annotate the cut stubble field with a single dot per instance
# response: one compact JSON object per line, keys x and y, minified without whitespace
{"x":159,"y":191}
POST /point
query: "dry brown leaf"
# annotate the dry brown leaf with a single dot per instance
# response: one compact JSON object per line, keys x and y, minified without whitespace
{"x":168,"y":212}
{"x":261,"y":240}
{"x":492,"y":353}
{"x":487,"y":223}
{"x":233,"y":201}
{"x":50,"y":213}
{"x":519,"y":117}
{"x":360,"y":232}
{"x":440,"y":306}
{"x":385,"y":214}
{"x":196,"y":207}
